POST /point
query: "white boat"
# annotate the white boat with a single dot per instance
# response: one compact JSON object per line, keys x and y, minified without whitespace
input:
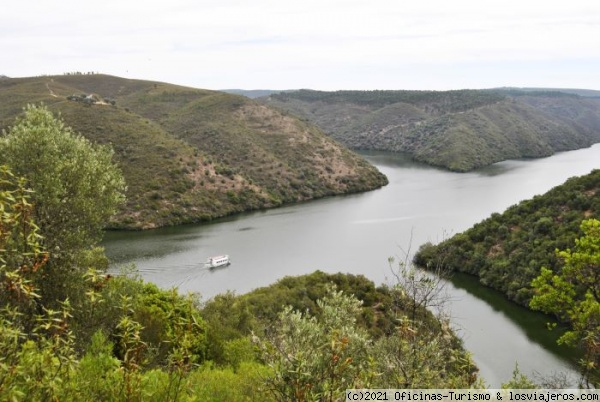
{"x":218,"y":261}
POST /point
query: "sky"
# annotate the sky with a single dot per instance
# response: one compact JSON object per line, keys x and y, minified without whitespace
{"x":316,"y":44}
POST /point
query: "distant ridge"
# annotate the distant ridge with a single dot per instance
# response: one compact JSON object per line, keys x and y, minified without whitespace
{"x":459,"y":130}
{"x":253,"y":93}
{"x":192,"y":155}
{"x":590,"y":93}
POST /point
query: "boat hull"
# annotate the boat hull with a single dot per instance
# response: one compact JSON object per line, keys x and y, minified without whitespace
{"x":218,"y":262}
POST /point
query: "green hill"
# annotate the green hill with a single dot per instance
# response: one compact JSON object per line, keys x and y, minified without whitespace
{"x":459,"y":130}
{"x":506,"y":251}
{"x":251,"y":93}
{"x":431,"y":354}
{"x":191,"y":155}
{"x":592,"y":93}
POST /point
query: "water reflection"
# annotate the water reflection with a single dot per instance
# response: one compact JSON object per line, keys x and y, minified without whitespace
{"x":124,"y":247}
{"x":395,"y":160}
{"x":498,"y":168}
{"x":534,"y":324}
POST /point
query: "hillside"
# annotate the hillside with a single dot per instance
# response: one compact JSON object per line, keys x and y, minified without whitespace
{"x":506,"y":251}
{"x":459,"y":130}
{"x":592,"y":93}
{"x":251,"y":93}
{"x":191,"y":155}
{"x":384,"y":313}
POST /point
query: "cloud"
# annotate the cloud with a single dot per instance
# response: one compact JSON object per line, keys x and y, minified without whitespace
{"x":285,"y":44}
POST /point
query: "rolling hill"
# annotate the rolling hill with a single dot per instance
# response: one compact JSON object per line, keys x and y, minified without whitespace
{"x":459,"y":130}
{"x":251,"y":93}
{"x":506,"y":251}
{"x":191,"y":155}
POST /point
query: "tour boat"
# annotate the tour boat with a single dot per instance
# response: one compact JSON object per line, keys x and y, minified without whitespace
{"x":218,"y":261}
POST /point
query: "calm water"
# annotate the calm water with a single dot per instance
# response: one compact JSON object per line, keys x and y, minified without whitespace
{"x":357,"y":234}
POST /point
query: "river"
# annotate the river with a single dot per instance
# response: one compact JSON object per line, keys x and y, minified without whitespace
{"x":357,"y":233}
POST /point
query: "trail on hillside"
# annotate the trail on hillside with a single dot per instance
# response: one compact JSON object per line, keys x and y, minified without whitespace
{"x":50,"y":90}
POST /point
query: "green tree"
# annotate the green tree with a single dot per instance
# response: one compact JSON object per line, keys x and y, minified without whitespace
{"x":317,"y":358}
{"x":573,"y":295}
{"x":76,"y":188}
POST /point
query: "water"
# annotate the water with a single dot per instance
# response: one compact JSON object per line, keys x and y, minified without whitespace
{"x":357,"y":234}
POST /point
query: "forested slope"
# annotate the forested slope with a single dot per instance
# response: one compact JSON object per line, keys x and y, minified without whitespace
{"x":191,"y":155}
{"x":459,"y":130}
{"x":506,"y":251}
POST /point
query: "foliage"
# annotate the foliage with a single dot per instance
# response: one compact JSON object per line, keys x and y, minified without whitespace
{"x":455,"y":100}
{"x":21,"y":254}
{"x":230,"y":317}
{"x":419,"y":357}
{"x":459,"y":130}
{"x":76,"y":188}
{"x":36,"y":345}
{"x":520,"y":381}
{"x":423,"y":352}
{"x":37,"y":365}
{"x":126,"y":340}
{"x":244,"y":384}
{"x":39,"y":345}
{"x":407,"y":344}
{"x":317,"y":359}
{"x":75,"y":183}
{"x":317,"y":356}
{"x":573,"y":295}
{"x":506,"y":251}
{"x":41,"y":362}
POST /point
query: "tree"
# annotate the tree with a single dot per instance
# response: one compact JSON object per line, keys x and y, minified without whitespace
{"x":573,"y":295}
{"x":423,"y":352}
{"x":317,"y":358}
{"x":76,"y":188}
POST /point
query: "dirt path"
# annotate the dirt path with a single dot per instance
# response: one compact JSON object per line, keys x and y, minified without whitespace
{"x":51,"y":92}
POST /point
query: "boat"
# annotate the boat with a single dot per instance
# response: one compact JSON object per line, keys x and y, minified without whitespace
{"x":218,"y":261}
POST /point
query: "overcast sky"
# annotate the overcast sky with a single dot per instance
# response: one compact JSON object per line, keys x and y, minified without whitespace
{"x":318,"y":44}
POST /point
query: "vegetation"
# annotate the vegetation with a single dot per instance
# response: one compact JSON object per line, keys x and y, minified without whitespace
{"x":506,"y":251}
{"x":573,"y":295}
{"x":117,"y":338}
{"x":517,"y":252}
{"x":191,"y":155}
{"x":459,"y":130}
{"x":133,"y":341}
{"x":75,"y":187}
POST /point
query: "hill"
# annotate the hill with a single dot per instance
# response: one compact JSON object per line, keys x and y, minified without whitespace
{"x":575,"y":91}
{"x":251,"y":93}
{"x":459,"y":130}
{"x":415,"y":346}
{"x":191,"y":155}
{"x":506,"y":251}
